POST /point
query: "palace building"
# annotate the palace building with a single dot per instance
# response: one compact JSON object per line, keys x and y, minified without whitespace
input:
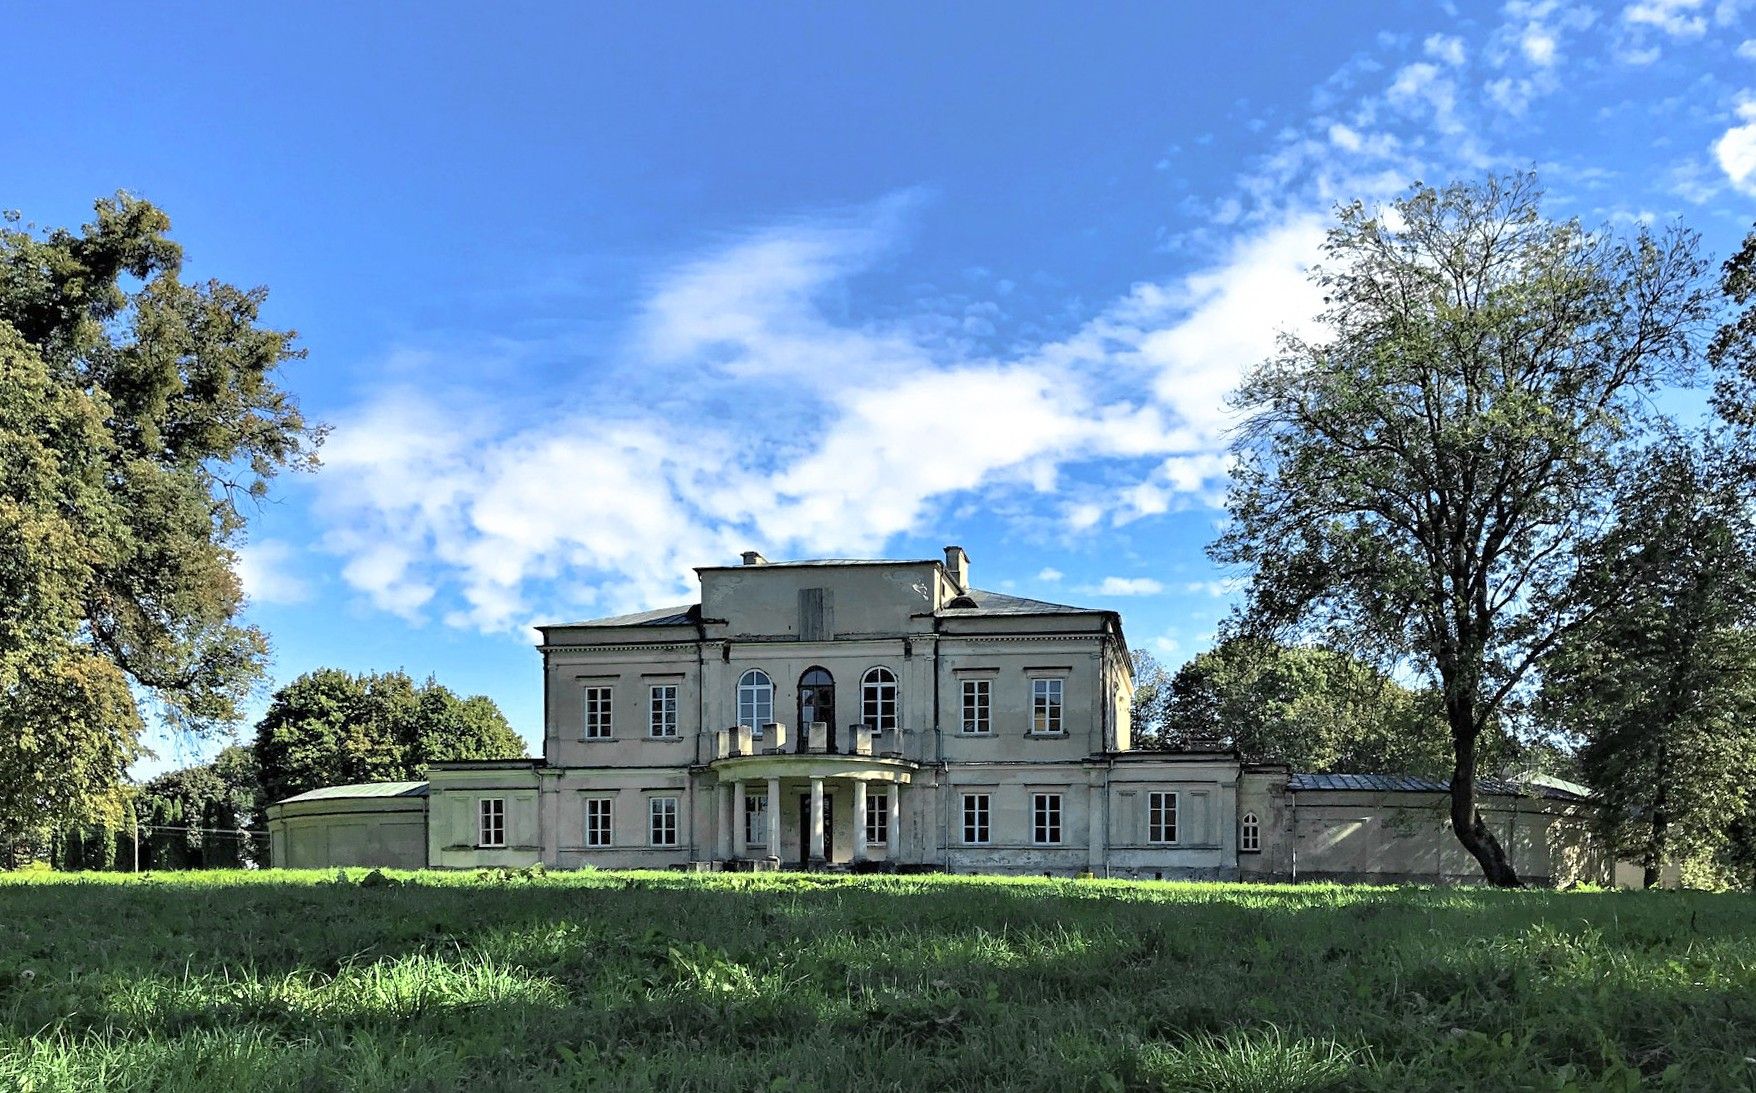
{"x":860,"y":714}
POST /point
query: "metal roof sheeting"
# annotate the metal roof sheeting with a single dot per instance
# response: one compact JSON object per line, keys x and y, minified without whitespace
{"x":683,"y":615}
{"x":999,"y":603}
{"x":1405,"y":783}
{"x":360,"y":789}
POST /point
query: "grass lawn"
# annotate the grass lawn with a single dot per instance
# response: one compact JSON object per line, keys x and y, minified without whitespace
{"x":293,"y":981}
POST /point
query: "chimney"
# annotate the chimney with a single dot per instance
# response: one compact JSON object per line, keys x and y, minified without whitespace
{"x":752,"y":557}
{"x":957,"y":564}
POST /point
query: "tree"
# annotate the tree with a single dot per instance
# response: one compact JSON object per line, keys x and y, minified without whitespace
{"x":137,"y":415}
{"x":196,"y":815}
{"x":330,"y":727}
{"x":1417,"y":483}
{"x":1660,"y":686}
{"x":1314,"y":709}
{"x":1147,"y":710}
{"x":1733,"y":354}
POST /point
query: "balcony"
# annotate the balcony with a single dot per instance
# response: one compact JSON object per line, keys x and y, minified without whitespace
{"x":819,"y":738}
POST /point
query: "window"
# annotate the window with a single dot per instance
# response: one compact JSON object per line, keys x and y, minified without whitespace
{"x":877,"y":819}
{"x":1045,"y":706}
{"x":1161,"y":817}
{"x":816,"y":703}
{"x":1046,"y":818}
{"x":1250,"y":834}
{"x":662,"y":820}
{"x":755,"y":699}
{"x":975,"y":818}
{"x":755,"y":820}
{"x":597,"y":821}
{"x":663,"y":720}
{"x":978,"y":700}
{"x":878,"y":700}
{"x":491,"y":821}
{"x":597,"y":713}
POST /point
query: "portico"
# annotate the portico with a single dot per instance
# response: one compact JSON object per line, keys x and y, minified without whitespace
{"x":831,"y":790}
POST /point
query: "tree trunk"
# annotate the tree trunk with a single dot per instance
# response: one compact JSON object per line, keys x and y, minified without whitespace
{"x":1466,"y":820}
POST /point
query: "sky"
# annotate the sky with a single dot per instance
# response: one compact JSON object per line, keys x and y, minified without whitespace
{"x":593,"y":295}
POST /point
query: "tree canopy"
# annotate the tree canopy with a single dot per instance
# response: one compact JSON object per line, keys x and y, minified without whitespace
{"x":1314,"y":709}
{"x":1416,"y":483}
{"x":331,"y":727}
{"x":138,"y":416}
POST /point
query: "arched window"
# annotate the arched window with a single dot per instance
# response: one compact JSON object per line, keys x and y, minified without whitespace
{"x":816,"y":703}
{"x":878,"y":700}
{"x":1249,"y":834}
{"x":755,"y":699}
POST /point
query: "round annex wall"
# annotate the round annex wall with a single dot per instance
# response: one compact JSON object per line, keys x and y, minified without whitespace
{"x":380,"y":824}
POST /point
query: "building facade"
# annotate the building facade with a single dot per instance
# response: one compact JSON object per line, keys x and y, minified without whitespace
{"x":888,"y":714}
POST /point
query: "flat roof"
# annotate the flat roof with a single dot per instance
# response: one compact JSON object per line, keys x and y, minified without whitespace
{"x":1406,"y":783}
{"x":359,"y":790}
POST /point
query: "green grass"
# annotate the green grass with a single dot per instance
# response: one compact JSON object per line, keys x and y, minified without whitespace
{"x":291,"y":981}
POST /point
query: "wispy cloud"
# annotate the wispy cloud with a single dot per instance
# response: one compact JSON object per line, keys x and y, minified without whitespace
{"x":1124,"y":586}
{"x":1050,"y":575}
{"x":266,"y":569}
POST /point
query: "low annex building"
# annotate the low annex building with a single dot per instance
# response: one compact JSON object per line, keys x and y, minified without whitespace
{"x":888,"y":714}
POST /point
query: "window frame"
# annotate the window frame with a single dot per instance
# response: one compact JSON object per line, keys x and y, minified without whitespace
{"x":598,"y":712}
{"x":982,"y":690}
{"x":872,"y":694}
{"x":747,"y":685}
{"x":978,"y":813}
{"x":878,"y":818}
{"x":1249,"y":834}
{"x":756,"y":819}
{"x":1047,"y":817}
{"x":491,"y":817}
{"x":595,"y":839}
{"x":661,"y":822}
{"x":656,"y":714}
{"x":1163,"y":826}
{"x":1048,"y":706}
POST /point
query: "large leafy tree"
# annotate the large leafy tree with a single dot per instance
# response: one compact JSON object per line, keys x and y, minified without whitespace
{"x":1660,"y":686}
{"x":138,"y":416}
{"x":1733,"y":353}
{"x":1315,"y":709}
{"x":331,"y":727}
{"x":1417,"y":482}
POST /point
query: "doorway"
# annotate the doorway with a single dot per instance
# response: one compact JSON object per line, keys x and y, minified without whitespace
{"x":805,"y":829}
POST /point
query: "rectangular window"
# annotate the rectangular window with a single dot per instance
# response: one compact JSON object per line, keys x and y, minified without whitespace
{"x":597,"y":713}
{"x":977,"y":704}
{"x":1045,"y":706}
{"x":662,"y":723}
{"x":755,"y":820}
{"x":1161,"y":817}
{"x":1046,"y":818}
{"x":491,"y":821}
{"x":975,"y":818}
{"x":877,"y":819}
{"x":662,"y":815}
{"x":597,"y":821}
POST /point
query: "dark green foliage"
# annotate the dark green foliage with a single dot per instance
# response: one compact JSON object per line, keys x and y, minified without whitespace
{"x":1417,"y":486}
{"x":1658,"y":686}
{"x":1314,"y":709}
{"x":291,"y":981}
{"x":137,"y":414}
{"x":331,"y":727}
{"x":1733,"y":354}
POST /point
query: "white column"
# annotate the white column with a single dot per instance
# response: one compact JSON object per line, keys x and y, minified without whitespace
{"x":723,"y":810}
{"x":774,"y":810}
{"x":859,"y":819}
{"x":740,"y":840}
{"x":894,"y":850}
{"x":817,"y":854}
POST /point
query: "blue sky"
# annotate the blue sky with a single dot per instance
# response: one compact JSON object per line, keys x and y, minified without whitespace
{"x":596,"y":295}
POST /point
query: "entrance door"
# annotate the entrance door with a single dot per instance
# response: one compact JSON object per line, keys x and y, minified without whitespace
{"x":805,"y":828}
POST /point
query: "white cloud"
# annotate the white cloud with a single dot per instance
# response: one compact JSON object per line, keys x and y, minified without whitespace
{"x":1735,"y":150}
{"x":483,"y":511}
{"x":266,"y":570}
{"x":1538,"y":45}
{"x":1215,"y":589}
{"x":1677,"y":18}
{"x":1445,"y":47}
{"x":1050,"y":575}
{"x":1124,"y":586}
{"x":1747,"y":49}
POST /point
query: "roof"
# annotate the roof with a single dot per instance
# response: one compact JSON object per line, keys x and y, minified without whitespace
{"x":824,"y":561}
{"x":999,"y":603}
{"x":359,"y":789}
{"x":683,"y":615}
{"x":1405,"y":783}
